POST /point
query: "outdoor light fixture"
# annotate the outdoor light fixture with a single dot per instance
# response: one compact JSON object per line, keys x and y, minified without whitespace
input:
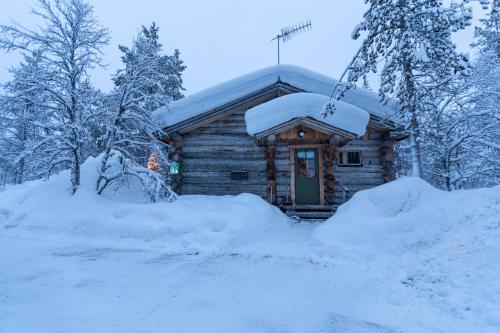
{"x":301,"y":133}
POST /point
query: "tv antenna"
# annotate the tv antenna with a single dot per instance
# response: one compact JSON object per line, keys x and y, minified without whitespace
{"x":289,"y":32}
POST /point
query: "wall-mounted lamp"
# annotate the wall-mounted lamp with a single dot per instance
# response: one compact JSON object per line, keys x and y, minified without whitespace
{"x":301,"y":133}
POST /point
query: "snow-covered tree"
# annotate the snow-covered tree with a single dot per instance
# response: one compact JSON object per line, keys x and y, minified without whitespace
{"x":69,"y":41}
{"x":486,"y":76}
{"x":169,"y":68}
{"x":131,"y":133}
{"x":461,"y":139}
{"x":411,"y":41}
{"x":21,"y":111}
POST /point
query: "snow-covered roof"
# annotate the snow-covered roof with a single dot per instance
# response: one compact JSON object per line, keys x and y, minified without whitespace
{"x":229,"y":91}
{"x":265,"y":116}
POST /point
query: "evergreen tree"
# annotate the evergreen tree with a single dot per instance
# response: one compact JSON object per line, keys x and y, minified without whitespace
{"x":131,"y":133}
{"x":411,"y":39}
{"x":21,"y":111}
{"x":169,"y":68}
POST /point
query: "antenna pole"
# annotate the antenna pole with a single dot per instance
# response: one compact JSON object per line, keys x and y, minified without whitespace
{"x":278,"y":50}
{"x":288,"y":32}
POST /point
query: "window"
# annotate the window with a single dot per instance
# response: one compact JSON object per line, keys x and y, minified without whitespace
{"x":306,"y":163}
{"x":350,"y":158}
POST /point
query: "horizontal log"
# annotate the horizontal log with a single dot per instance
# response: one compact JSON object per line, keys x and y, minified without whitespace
{"x":225,"y":130}
{"x":222,"y":148}
{"x":361,"y":182}
{"x":282,"y":190}
{"x":207,"y":163}
{"x":210,"y":165}
{"x":345,"y":177}
{"x":221,"y":174}
{"x":224,"y":182}
{"x":358,"y":142}
{"x":226,"y":155}
{"x":221,"y":190}
{"x":222,"y":141}
{"x":356,"y":169}
{"x":283,"y":175}
{"x":195,"y":138}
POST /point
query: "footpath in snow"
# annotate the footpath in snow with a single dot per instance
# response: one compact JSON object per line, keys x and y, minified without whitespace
{"x":403,"y":257}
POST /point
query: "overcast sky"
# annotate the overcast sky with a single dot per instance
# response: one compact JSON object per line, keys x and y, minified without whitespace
{"x":222,"y":39}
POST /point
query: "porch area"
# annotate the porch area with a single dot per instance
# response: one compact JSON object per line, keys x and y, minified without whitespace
{"x":309,"y":213}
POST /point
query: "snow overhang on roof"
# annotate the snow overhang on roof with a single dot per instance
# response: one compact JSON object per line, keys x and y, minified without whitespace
{"x":229,"y":91}
{"x":302,"y":105}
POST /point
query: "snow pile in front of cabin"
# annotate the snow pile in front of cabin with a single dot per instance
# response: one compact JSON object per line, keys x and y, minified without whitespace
{"x":190,"y":223}
{"x":240,"y":87}
{"x":282,"y":109}
{"x":440,"y":249}
{"x":402,"y":257}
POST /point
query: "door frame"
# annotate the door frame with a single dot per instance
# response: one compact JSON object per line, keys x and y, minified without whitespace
{"x":319,"y":148}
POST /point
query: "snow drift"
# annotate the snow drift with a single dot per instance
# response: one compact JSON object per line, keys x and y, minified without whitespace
{"x":191,"y":222}
{"x":406,"y":214}
{"x":440,"y":249}
{"x":403,"y":255}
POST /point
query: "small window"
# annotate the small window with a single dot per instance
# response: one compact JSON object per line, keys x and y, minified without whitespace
{"x":350,"y":158}
{"x":306,"y":163}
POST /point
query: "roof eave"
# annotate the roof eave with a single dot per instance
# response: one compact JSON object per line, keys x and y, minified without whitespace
{"x":221,"y":111}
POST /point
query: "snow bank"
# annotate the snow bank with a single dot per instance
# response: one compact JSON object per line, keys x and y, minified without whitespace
{"x":404,"y":215}
{"x":403,"y":255}
{"x":434,"y":252}
{"x":277,"y":111}
{"x":189,"y":223}
{"x":229,"y":91}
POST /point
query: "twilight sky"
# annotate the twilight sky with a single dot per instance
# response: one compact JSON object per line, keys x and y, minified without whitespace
{"x":222,"y":39}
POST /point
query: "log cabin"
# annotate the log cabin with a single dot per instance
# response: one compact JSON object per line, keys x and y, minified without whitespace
{"x":265,"y":133}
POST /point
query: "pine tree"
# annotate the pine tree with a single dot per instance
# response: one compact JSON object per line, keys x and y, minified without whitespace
{"x":70,"y":41}
{"x":21,"y":112}
{"x":169,"y":68}
{"x":132,"y":134}
{"x":411,"y":39}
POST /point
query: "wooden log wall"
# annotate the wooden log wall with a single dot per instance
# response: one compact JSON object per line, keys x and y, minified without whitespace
{"x":387,"y":156}
{"x":357,"y":178}
{"x":331,"y":149}
{"x":175,"y":155}
{"x":283,"y":191}
{"x":213,"y":151}
{"x":271,"y":170}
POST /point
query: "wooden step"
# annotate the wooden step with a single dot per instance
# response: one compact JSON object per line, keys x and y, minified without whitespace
{"x":309,"y":215}
{"x":316,"y":208}
{"x":309,"y":212}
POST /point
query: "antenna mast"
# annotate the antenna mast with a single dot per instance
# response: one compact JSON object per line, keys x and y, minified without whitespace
{"x":289,"y":32}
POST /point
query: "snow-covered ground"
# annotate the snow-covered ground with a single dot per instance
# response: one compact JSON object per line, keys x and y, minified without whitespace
{"x":403,"y":257}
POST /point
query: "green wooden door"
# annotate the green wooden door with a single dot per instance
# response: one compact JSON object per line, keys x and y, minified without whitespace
{"x":306,"y":177}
